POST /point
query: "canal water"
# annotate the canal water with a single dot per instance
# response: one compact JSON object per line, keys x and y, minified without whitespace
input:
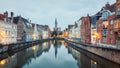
{"x":53,"y":54}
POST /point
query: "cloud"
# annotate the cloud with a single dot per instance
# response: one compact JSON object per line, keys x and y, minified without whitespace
{"x":45,"y":11}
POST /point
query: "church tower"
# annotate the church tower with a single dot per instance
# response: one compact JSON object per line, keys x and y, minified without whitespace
{"x":56,"y":23}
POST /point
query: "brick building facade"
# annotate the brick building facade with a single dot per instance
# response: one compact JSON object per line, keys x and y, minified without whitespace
{"x":110,"y":28}
{"x":86,"y":29}
{"x":117,"y":23}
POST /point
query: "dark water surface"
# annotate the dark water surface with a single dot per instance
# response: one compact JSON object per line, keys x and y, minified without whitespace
{"x":54,"y":54}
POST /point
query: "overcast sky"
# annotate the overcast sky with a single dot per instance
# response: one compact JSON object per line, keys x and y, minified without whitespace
{"x":45,"y":11}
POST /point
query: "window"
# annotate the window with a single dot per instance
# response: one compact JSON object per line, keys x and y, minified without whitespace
{"x":9,"y":33}
{"x":111,"y":22}
{"x":6,"y":32}
{"x":105,"y":32}
{"x":104,"y":39}
{"x":98,"y":25}
{"x":111,"y":31}
{"x":111,"y":41}
{"x":119,"y":11}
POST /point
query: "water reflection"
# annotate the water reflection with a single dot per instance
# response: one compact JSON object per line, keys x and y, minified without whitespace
{"x":57,"y":44}
{"x":53,"y":54}
{"x":90,"y":60}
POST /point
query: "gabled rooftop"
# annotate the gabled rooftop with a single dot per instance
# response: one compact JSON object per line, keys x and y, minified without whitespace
{"x":109,"y":7}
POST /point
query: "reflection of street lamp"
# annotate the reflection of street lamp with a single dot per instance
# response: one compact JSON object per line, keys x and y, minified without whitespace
{"x":93,"y":64}
{"x":44,"y":44}
{"x":2,"y":62}
{"x":34,"y":48}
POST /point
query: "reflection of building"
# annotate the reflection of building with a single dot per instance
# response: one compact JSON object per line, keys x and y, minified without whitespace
{"x":25,"y":56}
{"x":76,"y":55}
{"x":83,"y":61}
{"x":8,"y":30}
{"x":46,"y":46}
{"x":57,"y":44}
{"x":89,"y":60}
{"x":10,"y":62}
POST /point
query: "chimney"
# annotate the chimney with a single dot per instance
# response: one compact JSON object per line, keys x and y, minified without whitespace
{"x":88,"y":15}
{"x":6,"y":16}
{"x":12,"y":15}
{"x":33,"y":25}
{"x":107,"y":5}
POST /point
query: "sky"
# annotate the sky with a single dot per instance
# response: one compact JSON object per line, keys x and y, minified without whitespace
{"x":44,"y":12}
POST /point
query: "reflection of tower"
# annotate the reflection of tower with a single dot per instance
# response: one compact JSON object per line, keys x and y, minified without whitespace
{"x":56,"y":51}
{"x":57,"y":44}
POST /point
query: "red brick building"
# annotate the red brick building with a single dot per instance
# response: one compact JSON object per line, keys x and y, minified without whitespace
{"x":110,"y":28}
{"x":117,"y":23}
{"x":86,"y":29}
{"x":105,"y":26}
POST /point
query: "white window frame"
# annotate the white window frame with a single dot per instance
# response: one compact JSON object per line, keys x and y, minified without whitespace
{"x":111,"y":22}
{"x":111,"y":31}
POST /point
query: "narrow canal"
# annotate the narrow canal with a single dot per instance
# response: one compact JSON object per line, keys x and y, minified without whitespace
{"x":53,"y":54}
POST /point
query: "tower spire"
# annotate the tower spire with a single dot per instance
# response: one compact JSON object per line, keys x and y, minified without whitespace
{"x":56,"y":23}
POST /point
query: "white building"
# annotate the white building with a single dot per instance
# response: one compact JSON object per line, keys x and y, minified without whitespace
{"x":45,"y":34}
{"x":75,"y":32}
{"x":93,"y":34}
{"x":35,"y":33}
{"x":79,"y":29}
{"x":8,"y":30}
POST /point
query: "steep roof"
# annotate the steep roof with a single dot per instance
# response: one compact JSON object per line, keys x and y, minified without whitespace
{"x":25,"y":21}
{"x":98,"y":13}
{"x":109,"y":7}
